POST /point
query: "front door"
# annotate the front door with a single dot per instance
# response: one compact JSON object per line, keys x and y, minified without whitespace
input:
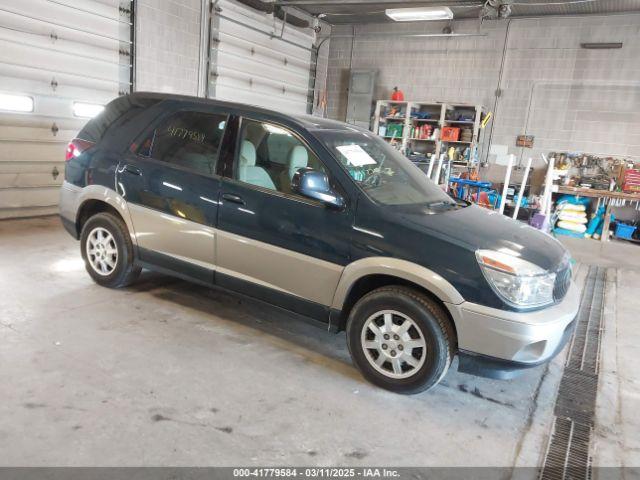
{"x":171,"y":190}
{"x":274,"y":244}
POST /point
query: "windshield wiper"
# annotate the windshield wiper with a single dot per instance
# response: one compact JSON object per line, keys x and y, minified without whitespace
{"x":440,"y":203}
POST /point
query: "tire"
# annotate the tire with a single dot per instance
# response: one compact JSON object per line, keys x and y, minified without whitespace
{"x":384,"y":360}
{"x":107,"y":251}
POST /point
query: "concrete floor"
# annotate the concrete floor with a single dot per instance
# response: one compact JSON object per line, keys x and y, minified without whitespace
{"x":168,"y":373}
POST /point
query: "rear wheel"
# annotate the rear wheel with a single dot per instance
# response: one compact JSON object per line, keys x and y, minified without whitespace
{"x":400,"y":339}
{"x":107,"y":251}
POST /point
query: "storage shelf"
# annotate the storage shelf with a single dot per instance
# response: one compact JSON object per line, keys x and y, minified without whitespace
{"x":413,"y":125}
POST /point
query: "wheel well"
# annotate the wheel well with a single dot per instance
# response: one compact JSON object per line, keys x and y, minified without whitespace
{"x":90,"y":208}
{"x":369,"y":283}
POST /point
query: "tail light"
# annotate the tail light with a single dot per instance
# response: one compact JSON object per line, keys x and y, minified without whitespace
{"x":76,"y":147}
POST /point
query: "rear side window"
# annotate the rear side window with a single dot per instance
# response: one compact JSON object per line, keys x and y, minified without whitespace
{"x":123,"y":106}
{"x":187,"y":139}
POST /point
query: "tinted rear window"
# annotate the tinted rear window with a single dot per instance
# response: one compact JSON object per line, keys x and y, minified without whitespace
{"x":116,"y":109}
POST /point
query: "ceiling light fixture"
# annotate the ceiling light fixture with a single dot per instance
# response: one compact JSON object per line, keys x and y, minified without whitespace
{"x":418,"y":14}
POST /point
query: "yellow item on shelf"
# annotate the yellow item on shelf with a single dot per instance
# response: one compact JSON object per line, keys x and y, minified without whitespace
{"x":573,"y":226}
{"x":573,"y":216}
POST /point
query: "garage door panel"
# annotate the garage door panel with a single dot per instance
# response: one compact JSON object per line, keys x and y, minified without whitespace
{"x":66,"y":16}
{"x":244,"y":58}
{"x":265,"y":84}
{"x":248,"y":66}
{"x":19,"y":198}
{"x":102,"y":8}
{"x":19,"y":23}
{"x":31,"y":180}
{"x":38,"y":167}
{"x":29,"y":134}
{"x":89,"y":94}
{"x":11,"y":75}
{"x":250,"y":17}
{"x":278,"y":47}
{"x":27,"y":151}
{"x":54,"y":61}
{"x":41,"y":121}
{"x":253,"y":64}
{"x":42,"y":44}
{"x":262,"y":96}
{"x":45,"y":44}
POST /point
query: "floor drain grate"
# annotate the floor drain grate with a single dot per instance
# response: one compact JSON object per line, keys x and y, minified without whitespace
{"x":568,"y":451}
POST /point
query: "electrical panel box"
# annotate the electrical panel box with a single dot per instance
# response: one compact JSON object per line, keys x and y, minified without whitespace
{"x":360,"y":100}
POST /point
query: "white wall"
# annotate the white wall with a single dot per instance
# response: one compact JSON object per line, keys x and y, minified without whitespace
{"x":579,"y":100}
{"x":168,"y":45}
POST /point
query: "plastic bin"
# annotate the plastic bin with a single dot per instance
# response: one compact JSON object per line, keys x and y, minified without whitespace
{"x":450,"y":134}
{"x":625,"y":231}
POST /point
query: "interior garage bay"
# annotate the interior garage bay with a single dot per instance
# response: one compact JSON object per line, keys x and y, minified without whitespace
{"x":431,"y":183}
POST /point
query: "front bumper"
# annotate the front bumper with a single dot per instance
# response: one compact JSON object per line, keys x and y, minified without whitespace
{"x":507,"y":341}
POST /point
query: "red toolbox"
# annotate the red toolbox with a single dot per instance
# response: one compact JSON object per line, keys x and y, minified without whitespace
{"x":450,"y":134}
{"x":631,"y":181}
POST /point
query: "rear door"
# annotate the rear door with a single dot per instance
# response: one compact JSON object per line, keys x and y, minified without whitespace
{"x":271,"y":243}
{"x":168,"y":180}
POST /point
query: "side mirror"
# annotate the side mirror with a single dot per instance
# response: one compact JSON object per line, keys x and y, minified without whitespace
{"x":314,"y":184}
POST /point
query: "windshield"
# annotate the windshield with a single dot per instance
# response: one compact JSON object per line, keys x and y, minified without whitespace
{"x":381,"y":171}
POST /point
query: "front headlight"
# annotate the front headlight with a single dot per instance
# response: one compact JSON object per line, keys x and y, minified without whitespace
{"x":519,"y":283}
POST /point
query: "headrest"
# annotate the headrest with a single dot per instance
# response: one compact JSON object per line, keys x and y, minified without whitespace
{"x":298,"y":158}
{"x":247,"y":154}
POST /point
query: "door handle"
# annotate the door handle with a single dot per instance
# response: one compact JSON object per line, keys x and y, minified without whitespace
{"x":229,"y":197}
{"x":132,"y":170}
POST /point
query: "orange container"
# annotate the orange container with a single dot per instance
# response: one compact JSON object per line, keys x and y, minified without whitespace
{"x":450,"y":134}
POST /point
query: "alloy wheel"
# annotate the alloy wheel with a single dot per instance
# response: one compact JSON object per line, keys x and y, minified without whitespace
{"x":393,"y":344}
{"x":102,"y":251}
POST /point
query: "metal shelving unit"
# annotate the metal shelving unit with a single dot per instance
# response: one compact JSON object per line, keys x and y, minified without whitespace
{"x":438,"y":115}
{"x":464,"y":116}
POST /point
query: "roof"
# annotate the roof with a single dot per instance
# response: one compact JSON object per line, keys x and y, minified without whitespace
{"x":308,"y":122}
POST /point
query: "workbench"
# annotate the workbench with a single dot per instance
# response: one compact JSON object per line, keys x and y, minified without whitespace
{"x":600,"y":194}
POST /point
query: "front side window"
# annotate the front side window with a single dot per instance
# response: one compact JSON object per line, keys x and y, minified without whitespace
{"x":187,"y":139}
{"x":382,"y":172}
{"x":270,"y":155}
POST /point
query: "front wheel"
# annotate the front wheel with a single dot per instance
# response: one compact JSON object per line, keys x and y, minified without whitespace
{"x":107,"y":251}
{"x":400,"y":339}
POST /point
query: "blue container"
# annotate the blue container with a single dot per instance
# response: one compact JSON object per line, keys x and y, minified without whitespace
{"x":625,"y":231}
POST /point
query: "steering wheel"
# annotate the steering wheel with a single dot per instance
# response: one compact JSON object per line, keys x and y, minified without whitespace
{"x":372,"y":180}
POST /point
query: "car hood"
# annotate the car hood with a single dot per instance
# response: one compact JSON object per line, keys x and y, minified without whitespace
{"x":476,"y":228}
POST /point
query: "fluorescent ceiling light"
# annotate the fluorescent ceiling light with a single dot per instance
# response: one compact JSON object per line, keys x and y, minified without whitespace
{"x":601,"y":45}
{"x":419,"y":14}
{"x":88,"y":110}
{"x":16,"y":103}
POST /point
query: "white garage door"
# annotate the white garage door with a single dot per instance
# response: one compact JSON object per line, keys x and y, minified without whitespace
{"x":58,"y":60}
{"x":252,"y":63}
